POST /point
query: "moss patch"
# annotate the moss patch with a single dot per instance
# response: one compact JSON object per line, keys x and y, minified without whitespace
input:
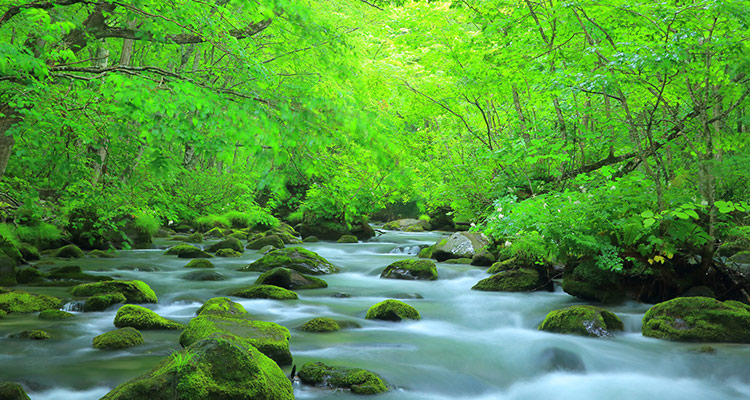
{"x":698,"y":319}
{"x":266,"y":292}
{"x":101,"y":302}
{"x":228,"y":253}
{"x":296,"y":258}
{"x":320,"y":325}
{"x":12,"y":391}
{"x":199,"y":263}
{"x":392,"y":310}
{"x":142,"y":318}
{"x":69,"y":251}
{"x":347,"y":239}
{"x":582,"y":320}
{"x":17,"y":301}
{"x":102,"y":254}
{"x":412,"y":270}
{"x":228,"y":243}
{"x":55,"y":315}
{"x":458,"y":261}
{"x":187,"y":251}
{"x":358,"y":380}
{"x":519,"y":280}
{"x":221,"y":306}
{"x":426,"y":252}
{"x":35,"y":334}
{"x":290,"y":279}
{"x":270,"y":240}
{"x":122,"y":338}
{"x":134,"y":291}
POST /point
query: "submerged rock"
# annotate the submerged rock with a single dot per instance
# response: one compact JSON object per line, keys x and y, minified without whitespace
{"x":142,"y":318}
{"x":101,"y":302}
{"x":122,"y":338}
{"x":556,"y":359}
{"x":459,"y":245}
{"x":187,"y":251}
{"x":359,"y":381}
{"x":134,"y":291}
{"x":296,"y":258}
{"x":698,"y":319}
{"x":290,"y":279}
{"x":411,"y":270}
{"x":203,"y":275}
{"x":18,"y":301}
{"x":199,"y":263}
{"x":102,"y":254}
{"x":35,"y":334}
{"x":221,"y":367}
{"x":347,"y":239}
{"x":270,"y":240}
{"x":12,"y":391}
{"x":55,"y":315}
{"x":582,"y":320}
{"x":320,"y":325}
{"x":265,"y":292}
{"x":516,"y":280}
{"x":392,"y":310}
{"x":228,"y":253}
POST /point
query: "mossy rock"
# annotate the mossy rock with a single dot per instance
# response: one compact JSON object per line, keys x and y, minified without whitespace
{"x":203,"y":275}
{"x":266,"y":249}
{"x":359,"y":381}
{"x":215,"y":233}
{"x":35,"y":334}
{"x":12,"y":252}
{"x":199,"y":263}
{"x":8,"y":271}
{"x":311,"y":239}
{"x":228,"y":253}
{"x":507,"y":265}
{"x":221,"y":367}
{"x":296,"y":258}
{"x":29,"y":275}
{"x":101,"y":302}
{"x":228,"y":243}
{"x":517,"y":280}
{"x":55,"y":315}
{"x":414,"y":228}
{"x":587,"y":281}
{"x":698,"y":319}
{"x":392,"y":310}
{"x":29,"y":252}
{"x":347,"y":239}
{"x":102,"y":254}
{"x":239,"y":235}
{"x":221,"y":306}
{"x":118,"y":339}
{"x":582,"y":320}
{"x":138,"y":267}
{"x":459,"y":245}
{"x":12,"y":391}
{"x":466,"y":261}
{"x":134,"y":291}
{"x":412,"y":270}
{"x":290,"y":279}
{"x":142,"y":318}
{"x":286,"y":236}
{"x":270,"y":338}
{"x":195,"y":238}
{"x":265,"y":292}
{"x":320,"y":325}
{"x":426,"y":252}
{"x":270,"y":240}
{"x":183,"y":228}
{"x":17,"y":301}
{"x":187,"y":251}
{"x":483,"y":258}
{"x":71,"y":275}
{"x":69,"y":251}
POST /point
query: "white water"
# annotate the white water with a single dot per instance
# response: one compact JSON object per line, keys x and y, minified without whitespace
{"x":468,"y":345}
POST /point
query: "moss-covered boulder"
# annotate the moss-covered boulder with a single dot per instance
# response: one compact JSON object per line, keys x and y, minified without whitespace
{"x":321,"y":325}
{"x":582,"y":320}
{"x":142,"y":318}
{"x":7,"y":271}
{"x":55,"y":315}
{"x":426,"y":252}
{"x":134,"y":291}
{"x":459,"y":245}
{"x":517,"y":280}
{"x":412,"y":270}
{"x":483,"y":258}
{"x":70,"y":275}
{"x":698,"y":319}
{"x":311,"y":239}
{"x":29,"y":252}
{"x":507,"y":265}
{"x":290,"y":279}
{"x":216,"y":233}
{"x":359,"y":381}
{"x":187,"y":251}
{"x":408,"y":225}
{"x":69,"y":251}
{"x":203,"y":275}
{"x":347,"y":239}
{"x":583,"y":279}
{"x":195,"y":238}
{"x":199,"y":263}
{"x":228,"y":243}
{"x":221,"y":306}
{"x":270,"y":338}
{"x":12,"y":391}
{"x":18,"y":301}
{"x":392,"y":310}
{"x":465,"y":261}
{"x":296,"y":258}
{"x":270,"y":240}
{"x":118,"y":339}
{"x":102,"y":254}
{"x":228,"y":253}
{"x":101,"y":302}
{"x":265,"y":292}
{"x":35,"y":334}
{"x":222,"y":367}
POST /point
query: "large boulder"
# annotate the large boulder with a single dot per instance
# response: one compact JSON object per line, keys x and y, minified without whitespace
{"x":585,"y":280}
{"x":459,"y":245}
{"x":321,"y":325}
{"x":516,"y":280}
{"x":199,"y":263}
{"x":69,"y":251}
{"x":411,"y":270}
{"x":290,"y":279}
{"x":17,"y":301}
{"x":332,"y":230}
{"x":221,"y":306}
{"x":392,"y":310}
{"x":101,"y":302}
{"x":142,"y":318}
{"x":203,"y":275}
{"x":582,"y":320}
{"x":407,"y":223}
{"x":221,"y":367}
{"x":118,"y":339}
{"x":358,"y":380}
{"x":270,"y":338}
{"x":228,"y":243}
{"x":134,"y":291}
{"x":187,"y":251}
{"x":296,"y":258}
{"x":698,"y":319}
{"x":270,"y":240}
{"x":265,"y":292}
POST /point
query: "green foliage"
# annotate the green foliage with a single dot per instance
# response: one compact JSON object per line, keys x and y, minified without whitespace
{"x":42,"y":233}
{"x":207,"y":222}
{"x":8,"y":235}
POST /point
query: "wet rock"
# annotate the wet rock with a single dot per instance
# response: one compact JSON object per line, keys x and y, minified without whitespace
{"x":556,"y":359}
{"x":221,"y":306}
{"x":357,"y":380}
{"x":138,"y":268}
{"x":228,"y":253}
{"x":408,"y":225}
{"x":290,"y":279}
{"x":69,"y":251}
{"x":142,"y":318}
{"x":28,"y":275}
{"x":229,"y":243}
{"x":203,"y":276}
{"x":465,"y":261}
{"x":459,"y":245}
{"x":582,"y":320}
{"x":7,"y":271}
{"x":698,"y":319}
{"x":187,"y":251}
{"x":517,"y":280}
{"x":72,"y":275}
{"x":320,"y":325}
{"x":347,"y":239}
{"x":17,"y":301}
{"x":55,"y":315}
{"x":199,"y":263}
{"x":270,"y":240}
{"x":215,"y":233}
{"x":134,"y":291}
{"x":12,"y":391}
{"x":392,"y":310}
{"x":426,"y":252}
{"x":585,"y":280}
{"x":102,"y":254}
{"x":483,"y":258}
{"x":265,"y":292}
{"x":311,"y":239}
{"x":101,"y":302}
{"x":35,"y":334}
{"x":295,"y":258}
{"x":118,"y":339}
{"x":407,"y":296}
{"x":29,"y":252}
{"x":411,"y":270}
{"x":195,"y":238}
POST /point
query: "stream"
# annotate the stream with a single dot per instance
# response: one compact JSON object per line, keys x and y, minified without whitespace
{"x":468,"y":345}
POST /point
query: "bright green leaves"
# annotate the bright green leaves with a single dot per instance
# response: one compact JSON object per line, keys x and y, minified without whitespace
{"x":726,"y":207}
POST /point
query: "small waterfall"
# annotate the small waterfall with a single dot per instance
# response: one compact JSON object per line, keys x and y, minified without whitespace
{"x":410,"y":250}
{"x":75,"y":305}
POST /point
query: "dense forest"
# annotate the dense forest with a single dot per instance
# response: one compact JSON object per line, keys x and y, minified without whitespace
{"x":603,"y":144}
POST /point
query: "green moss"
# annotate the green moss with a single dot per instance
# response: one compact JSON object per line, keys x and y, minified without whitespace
{"x":35,"y":334}
{"x":517,"y":280}
{"x":358,"y":380}
{"x":215,"y":233}
{"x":265,"y":292}
{"x":221,"y":367}
{"x":270,"y":338}
{"x":199,"y":263}
{"x":55,"y":315}
{"x":101,"y":302}
{"x":221,"y":306}
{"x":72,"y":275}
{"x":582,"y":320}
{"x":228,"y":253}
{"x":296,"y":258}
{"x":142,"y":318}
{"x":17,"y":301}
{"x":3,"y":314}
{"x":213,"y":221}
{"x":411,"y":270}
{"x":458,"y":261}
{"x":102,"y":254}
{"x":69,"y":251}
{"x":122,"y":338}
{"x":29,"y":252}
{"x":195,"y":238}
{"x":290,"y":279}
{"x":321,"y":325}
{"x":240,"y":235}
{"x":187,"y":251}
{"x":228,"y":243}
{"x":392,"y":310}
{"x":506,"y":265}
{"x":347,"y":239}
{"x":12,"y":391}
{"x":698,"y":319}
{"x":311,"y":239}
{"x":134,"y":291}
{"x":426,"y":252}
{"x":270,"y":240}
{"x":414,"y":228}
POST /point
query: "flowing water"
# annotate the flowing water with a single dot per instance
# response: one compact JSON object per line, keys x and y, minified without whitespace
{"x":468,"y":345}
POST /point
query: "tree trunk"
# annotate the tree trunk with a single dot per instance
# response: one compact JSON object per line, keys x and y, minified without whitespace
{"x":6,"y":141}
